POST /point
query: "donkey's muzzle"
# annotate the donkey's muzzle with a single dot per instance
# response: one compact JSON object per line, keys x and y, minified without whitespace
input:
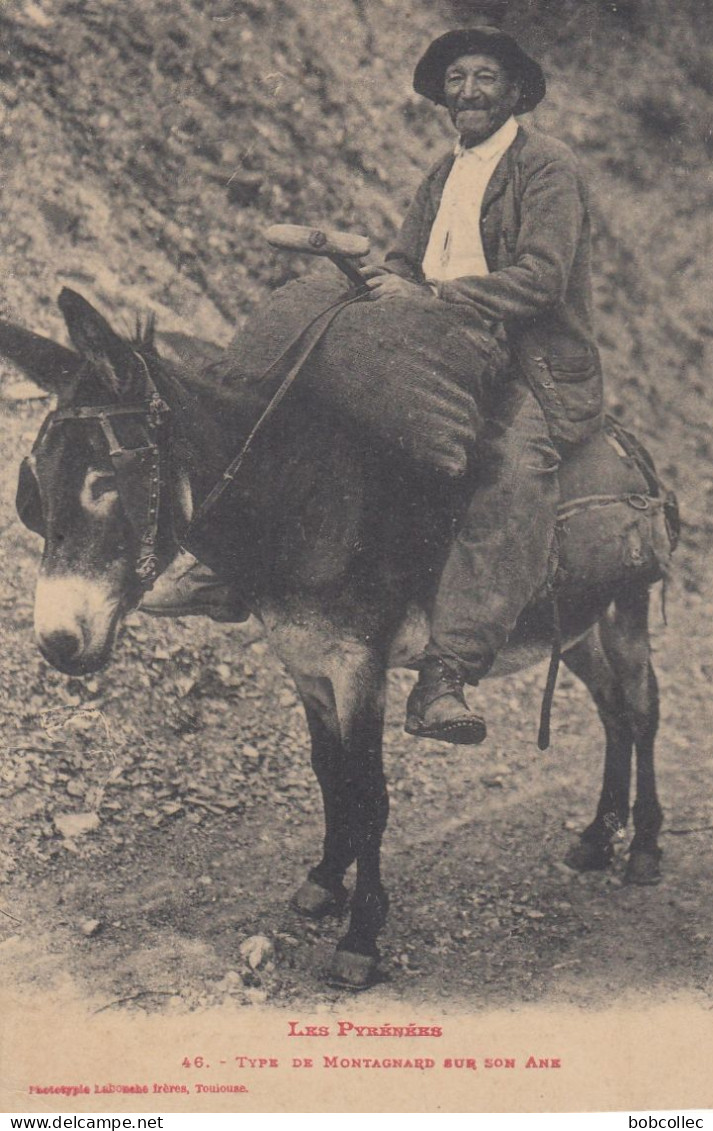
{"x":64,"y":650}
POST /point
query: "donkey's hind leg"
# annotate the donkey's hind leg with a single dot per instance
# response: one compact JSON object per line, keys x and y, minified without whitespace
{"x":625,"y":636}
{"x":589,"y":661}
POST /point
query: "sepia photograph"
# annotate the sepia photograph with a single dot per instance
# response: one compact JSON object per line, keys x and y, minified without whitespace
{"x":355,"y":665}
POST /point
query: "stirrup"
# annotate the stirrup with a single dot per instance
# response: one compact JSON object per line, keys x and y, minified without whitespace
{"x":187,"y":588}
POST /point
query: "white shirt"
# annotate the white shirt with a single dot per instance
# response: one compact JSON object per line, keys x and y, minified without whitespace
{"x":455,"y":246}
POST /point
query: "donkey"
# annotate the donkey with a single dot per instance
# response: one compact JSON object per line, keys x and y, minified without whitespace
{"x":332,"y":544}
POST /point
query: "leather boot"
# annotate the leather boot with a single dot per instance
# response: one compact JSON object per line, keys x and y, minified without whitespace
{"x":437,"y":709}
{"x":188,"y":588}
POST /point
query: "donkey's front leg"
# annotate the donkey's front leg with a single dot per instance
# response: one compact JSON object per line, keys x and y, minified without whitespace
{"x":345,"y":712}
{"x":355,"y":963}
{"x":323,"y":892}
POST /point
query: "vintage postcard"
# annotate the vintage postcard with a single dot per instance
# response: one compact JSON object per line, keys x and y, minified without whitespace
{"x":323,"y":324}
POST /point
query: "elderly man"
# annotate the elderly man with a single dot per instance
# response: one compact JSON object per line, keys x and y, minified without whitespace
{"x":501,"y":227}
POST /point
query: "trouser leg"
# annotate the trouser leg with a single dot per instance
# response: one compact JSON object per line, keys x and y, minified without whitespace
{"x":500,"y":556}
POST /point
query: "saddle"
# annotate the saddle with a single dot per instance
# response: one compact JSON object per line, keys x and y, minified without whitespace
{"x":413,"y":376}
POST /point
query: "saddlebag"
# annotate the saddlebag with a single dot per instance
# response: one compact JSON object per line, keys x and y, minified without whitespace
{"x":616,"y":519}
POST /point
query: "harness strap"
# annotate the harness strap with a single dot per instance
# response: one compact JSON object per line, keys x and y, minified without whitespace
{"x":294,"y":356}
{"x":626,"y":445}
{"x":575,"y":506}
{"x":543,"y":737}
{"x":98,"y":412}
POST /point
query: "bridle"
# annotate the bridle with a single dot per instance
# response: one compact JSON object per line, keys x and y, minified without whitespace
{"x":142,"y":474}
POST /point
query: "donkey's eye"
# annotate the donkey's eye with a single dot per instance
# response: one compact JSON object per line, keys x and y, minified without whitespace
{"x":102,"y":484}
{"x":99,"y":486}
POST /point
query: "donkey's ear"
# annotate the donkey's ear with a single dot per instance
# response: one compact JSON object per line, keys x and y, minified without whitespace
{"x":48,"y":364}
{"x":111,"y":356}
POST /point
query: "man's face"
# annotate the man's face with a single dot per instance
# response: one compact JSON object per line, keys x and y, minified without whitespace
{"x":480,"y":96}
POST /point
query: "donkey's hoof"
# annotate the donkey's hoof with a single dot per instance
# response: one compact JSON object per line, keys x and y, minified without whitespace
{"x":586,"y":856}
{"x":315,"y":902}
{"x":643,"y":868}
{"x":351,"y":971}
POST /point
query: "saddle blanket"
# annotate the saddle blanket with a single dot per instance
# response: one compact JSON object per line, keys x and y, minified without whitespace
{"x":410,"y":374}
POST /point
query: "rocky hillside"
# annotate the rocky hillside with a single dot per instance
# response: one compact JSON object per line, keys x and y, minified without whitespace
{"x":147,"y":145}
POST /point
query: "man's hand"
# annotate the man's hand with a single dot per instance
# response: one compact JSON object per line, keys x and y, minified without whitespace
{"x":383,"y":284}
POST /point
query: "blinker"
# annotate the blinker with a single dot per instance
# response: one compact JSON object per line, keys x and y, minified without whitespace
{"x":28,"y":502}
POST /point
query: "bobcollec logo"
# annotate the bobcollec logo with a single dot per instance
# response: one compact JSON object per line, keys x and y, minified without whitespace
{"x":675,"y":1122}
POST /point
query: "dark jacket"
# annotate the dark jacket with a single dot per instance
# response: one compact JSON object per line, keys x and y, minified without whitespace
{"x":535,"y":227}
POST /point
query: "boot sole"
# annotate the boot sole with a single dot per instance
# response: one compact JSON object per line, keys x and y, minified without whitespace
{"x":462,"y":732}
{"x":212,"y":611}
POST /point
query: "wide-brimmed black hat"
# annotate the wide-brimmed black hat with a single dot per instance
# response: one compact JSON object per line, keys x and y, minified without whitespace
{"x":429,"y":76}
